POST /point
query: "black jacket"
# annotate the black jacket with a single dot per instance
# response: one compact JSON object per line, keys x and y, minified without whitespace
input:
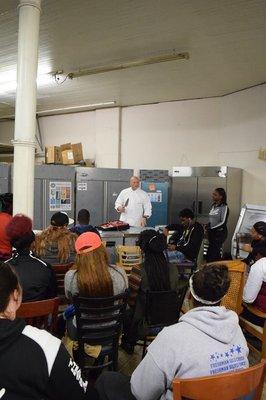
{"x":255,"y":244}
{"x":36,"y":277}
{"x":190,"y":242}
{"x":35,"y":365}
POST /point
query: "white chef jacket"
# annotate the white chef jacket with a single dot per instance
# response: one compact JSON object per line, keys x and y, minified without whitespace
{"x":139,"y":204}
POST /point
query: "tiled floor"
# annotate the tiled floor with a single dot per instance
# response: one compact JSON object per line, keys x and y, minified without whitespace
{"x":127,"y":363}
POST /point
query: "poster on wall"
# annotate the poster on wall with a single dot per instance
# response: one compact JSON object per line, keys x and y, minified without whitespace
{"x":60,"y":196}
{"x":155,"y":197}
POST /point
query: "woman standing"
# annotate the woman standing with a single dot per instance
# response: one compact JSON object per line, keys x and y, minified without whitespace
{"x":216,"y":228}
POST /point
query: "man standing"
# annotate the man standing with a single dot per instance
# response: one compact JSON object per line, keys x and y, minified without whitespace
{"x":133,"y":204}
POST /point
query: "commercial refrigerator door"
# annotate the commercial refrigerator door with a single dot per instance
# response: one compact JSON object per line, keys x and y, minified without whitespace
{"x":90,"y":195}
{"x":113,"y":188}
{"x":206,"y":186}
{"x":183,"y":194}
{"x":5,"y":179}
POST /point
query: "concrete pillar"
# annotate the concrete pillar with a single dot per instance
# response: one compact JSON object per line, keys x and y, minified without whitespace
{"x":25,"y":116}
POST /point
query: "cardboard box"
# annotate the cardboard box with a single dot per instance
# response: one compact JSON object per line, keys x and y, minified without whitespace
{"x":53,"y":155}
{"x":77,"y":152}
{"x":71,"y":153}
{"x":67,"y":157}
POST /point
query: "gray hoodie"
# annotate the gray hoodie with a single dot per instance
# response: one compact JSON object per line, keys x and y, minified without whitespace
{"x":206,"y":341}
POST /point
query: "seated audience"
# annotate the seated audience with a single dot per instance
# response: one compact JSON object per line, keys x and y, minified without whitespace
{"x":255,"y":288}
{"x":258,"y":235}
{"x":33,"y":363}
{"x":6,"y":206}
{"x":91,"y":274}
{"x":36,"y":277}
{"x":56,"y":244}
{"x":207,"y":340}
{"x":186,"y":248}
{"x":83,"y":223}
{"x":155,"y":275}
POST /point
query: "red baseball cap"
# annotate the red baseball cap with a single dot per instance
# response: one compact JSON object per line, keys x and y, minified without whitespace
{"x":87,"y":242}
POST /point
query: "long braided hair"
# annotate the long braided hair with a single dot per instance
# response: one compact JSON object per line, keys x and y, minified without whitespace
{"x":156,"y":266}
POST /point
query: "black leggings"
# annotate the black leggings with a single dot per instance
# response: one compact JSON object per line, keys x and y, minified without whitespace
{"x":216,"y":240}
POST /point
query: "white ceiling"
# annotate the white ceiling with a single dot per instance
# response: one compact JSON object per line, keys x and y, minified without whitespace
{"x":225,"y":39}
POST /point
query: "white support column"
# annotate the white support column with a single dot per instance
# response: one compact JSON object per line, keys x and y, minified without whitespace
{"x":25,"y":117}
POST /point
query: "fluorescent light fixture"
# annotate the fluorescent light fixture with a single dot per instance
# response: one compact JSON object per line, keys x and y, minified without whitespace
{"x":77,"y":108}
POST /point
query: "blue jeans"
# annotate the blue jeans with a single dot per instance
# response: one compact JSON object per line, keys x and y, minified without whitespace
{"x":176,"y":257}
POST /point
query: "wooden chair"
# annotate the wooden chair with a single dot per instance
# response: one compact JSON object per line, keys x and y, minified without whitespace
{"x":255,"y":330}
{"x":230,"y":386}
{"x":60,"y":270}
{"x":128,"y":256}
{"x":41,"y":314}
{"x":233,"y":298}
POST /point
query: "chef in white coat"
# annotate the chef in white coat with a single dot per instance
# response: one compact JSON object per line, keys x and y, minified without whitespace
{"x":133,"y":204}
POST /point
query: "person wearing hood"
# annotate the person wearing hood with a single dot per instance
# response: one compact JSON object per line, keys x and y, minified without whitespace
{"x":33,"y":363}
{"x":207,"y":340}
{"x":36,"y":277}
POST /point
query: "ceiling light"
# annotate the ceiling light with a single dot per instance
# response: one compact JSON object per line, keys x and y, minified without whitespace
{"x":129,"y":64}
{"x":76,"y":108}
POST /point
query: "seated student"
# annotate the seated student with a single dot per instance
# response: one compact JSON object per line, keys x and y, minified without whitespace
{"x":91,"y":274}
{"x":255,"y":287}
{"x":187,"y":247}
{"x":6,"y":206}
{"x":36,"y":277}
{"x":56,"y":244}
{"x":83,"y":223}
{"x":33,"y":363}
{"x":155,"y":275}
{"x":258,"y":235}
{"x":207,"y":340}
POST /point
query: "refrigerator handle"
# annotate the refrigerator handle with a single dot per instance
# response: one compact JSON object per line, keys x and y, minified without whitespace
{"x":193,"y":206}
{"x":200,"y":207}
{"x":105,"y":200}
{"x":45,"y":203}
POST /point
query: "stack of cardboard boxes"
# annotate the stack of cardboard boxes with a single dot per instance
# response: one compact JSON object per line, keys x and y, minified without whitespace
{"x":67,"y":154}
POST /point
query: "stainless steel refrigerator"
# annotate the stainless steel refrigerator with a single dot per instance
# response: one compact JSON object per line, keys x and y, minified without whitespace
{"x":97,"y":190}
{"x":53,"y":191}
{"x":5,"y":178}
{"x":192,"y":187}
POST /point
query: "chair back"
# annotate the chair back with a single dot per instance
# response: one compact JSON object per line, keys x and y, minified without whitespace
{"x":233,"y":298}
{"x":99,"y":319}
{"x":163,"y":308}
{"x":41,"y":314}
{"x":228,"y":386}
{"x":60,"y":270}
{"x":128,"y":256}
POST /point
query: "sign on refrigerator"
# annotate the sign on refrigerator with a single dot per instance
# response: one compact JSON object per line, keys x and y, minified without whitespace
{"x":60,"y":196}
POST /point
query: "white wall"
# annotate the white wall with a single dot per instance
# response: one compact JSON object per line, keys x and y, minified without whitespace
{"x":221,"y":131}
{"x":74,"y":128}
